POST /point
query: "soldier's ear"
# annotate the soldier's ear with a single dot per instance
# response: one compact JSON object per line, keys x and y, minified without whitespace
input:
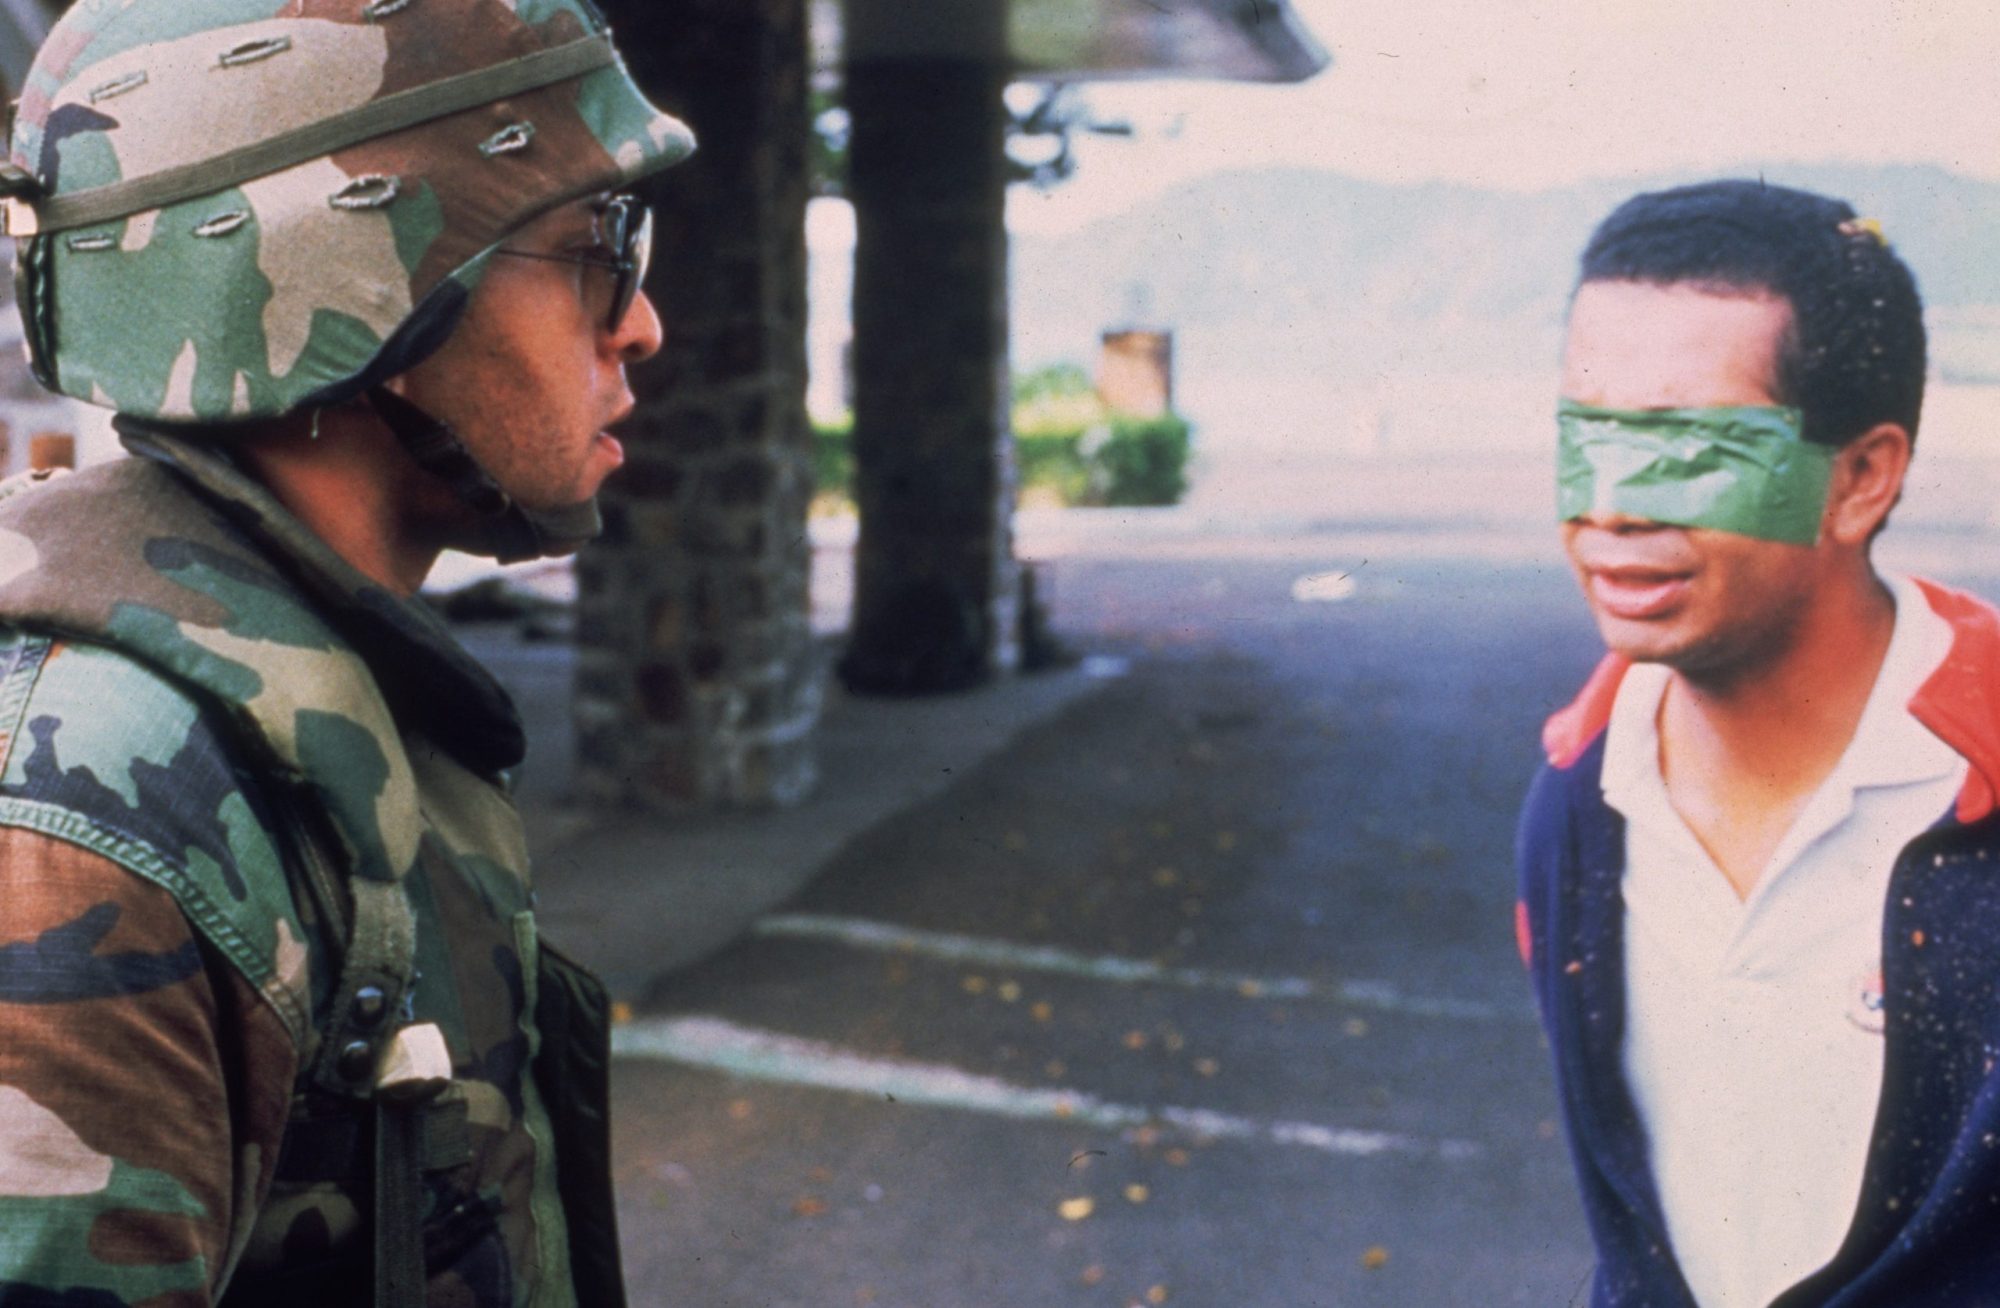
{"x":1867,"y":481}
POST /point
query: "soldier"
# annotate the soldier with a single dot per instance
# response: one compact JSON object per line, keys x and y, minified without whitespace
{"x":360,"y":281}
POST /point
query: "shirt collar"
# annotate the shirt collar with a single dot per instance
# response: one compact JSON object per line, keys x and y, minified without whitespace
{"x":1631,"y":772}
{"x":1889,"y":748}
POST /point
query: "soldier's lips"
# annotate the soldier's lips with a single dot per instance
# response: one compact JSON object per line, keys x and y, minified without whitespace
{"x":1636,"y":593}
{"x":612,"y":445}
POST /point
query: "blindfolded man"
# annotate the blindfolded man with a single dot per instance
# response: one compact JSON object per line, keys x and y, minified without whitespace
{"x":1760,"y":898}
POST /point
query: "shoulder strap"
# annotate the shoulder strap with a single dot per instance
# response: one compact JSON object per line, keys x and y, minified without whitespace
{"x":370,"y":1054}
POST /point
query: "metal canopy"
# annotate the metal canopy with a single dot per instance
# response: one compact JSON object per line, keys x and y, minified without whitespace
{"x":1078,"y":40}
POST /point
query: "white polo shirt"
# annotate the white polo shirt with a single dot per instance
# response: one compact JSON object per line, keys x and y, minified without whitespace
{"x":1753,"y":1040}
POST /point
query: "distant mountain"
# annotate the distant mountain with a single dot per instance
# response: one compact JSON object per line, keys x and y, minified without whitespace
{"x":1287,"y":270}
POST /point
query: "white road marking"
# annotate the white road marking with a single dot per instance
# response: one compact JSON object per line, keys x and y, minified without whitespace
{"x":1105,"y":667}
{"x":859,"y":933}
{"x":718,"y":1045}
{"x":1324,"y":587}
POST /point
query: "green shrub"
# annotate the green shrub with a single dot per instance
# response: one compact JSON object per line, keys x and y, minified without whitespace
{"x":1138,"y":461}
{"x":1052,"y":460}
{"x":1055,"y":381}
{"x":1064,"y":444}
{"x":833,"y":457}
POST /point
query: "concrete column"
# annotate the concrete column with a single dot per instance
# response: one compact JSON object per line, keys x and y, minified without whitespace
{"x":696,"y":683}
{"x":936,"y":586}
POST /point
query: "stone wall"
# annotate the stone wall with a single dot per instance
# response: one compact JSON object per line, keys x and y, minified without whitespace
{"x":697,"y":683}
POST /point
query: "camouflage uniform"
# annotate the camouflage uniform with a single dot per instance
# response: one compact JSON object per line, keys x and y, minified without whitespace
{"x":218,"y":741}
{"x":161,"y":1000}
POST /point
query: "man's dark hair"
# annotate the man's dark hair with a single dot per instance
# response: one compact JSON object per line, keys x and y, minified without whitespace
{"x":1854,"y":355}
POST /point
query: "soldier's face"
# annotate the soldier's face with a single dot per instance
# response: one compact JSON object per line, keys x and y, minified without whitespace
{"x":535,"y":375}
{"x":1699,"y":600}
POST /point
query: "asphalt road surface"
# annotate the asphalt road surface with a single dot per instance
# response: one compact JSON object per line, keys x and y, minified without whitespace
{"x":1202,"y":994}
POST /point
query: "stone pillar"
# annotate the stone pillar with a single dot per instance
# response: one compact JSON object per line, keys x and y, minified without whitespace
{"x":697,"y":684}
{"x":936,"y":587}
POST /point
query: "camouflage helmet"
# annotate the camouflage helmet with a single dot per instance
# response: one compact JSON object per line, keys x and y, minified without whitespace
{"x":242,"y":208}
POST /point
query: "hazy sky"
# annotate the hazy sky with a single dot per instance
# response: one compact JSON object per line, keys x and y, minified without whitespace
{"x":1533,"y":93}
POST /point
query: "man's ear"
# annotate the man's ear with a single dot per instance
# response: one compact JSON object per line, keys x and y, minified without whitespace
{"x":1867,"y":482}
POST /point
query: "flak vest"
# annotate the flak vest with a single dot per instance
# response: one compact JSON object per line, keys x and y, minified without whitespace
{"x":354,"y":855}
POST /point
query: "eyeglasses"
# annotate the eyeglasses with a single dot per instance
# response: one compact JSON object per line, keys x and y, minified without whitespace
{"x":625,"y":227}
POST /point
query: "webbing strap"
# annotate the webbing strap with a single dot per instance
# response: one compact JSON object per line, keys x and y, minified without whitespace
{"x":566,"y":527}
{"x":391,"y":113}
{"x":377,"y":967}
{"x":438,"y":450}
{"x":400,"y":1281}
{"x":380,"y":955}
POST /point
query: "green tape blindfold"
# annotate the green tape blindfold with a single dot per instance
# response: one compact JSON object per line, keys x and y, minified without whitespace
{"x":1743,"y":469}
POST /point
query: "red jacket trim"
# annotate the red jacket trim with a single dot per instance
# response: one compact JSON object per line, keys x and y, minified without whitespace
{"x":1960,"y":702}
{"x":1569,"y":732}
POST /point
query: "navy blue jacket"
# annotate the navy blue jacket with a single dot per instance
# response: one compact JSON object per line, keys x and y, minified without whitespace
{"x":1926,"y":1232}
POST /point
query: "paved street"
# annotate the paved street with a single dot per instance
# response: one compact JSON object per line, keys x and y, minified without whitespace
{"x":1200,"y":991}
{"x":1203,"y":993}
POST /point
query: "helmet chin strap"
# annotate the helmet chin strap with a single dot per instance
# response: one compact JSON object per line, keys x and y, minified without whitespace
{"x":513,"y":533}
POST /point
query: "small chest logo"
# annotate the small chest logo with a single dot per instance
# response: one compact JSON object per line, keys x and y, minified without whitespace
{"x":1865,"y":1002}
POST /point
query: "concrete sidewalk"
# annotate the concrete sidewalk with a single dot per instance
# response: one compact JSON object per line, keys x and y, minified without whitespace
{"x":636,"y":896}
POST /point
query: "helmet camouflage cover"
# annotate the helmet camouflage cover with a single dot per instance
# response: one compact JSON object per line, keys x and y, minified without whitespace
{"x":248,"y":207}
